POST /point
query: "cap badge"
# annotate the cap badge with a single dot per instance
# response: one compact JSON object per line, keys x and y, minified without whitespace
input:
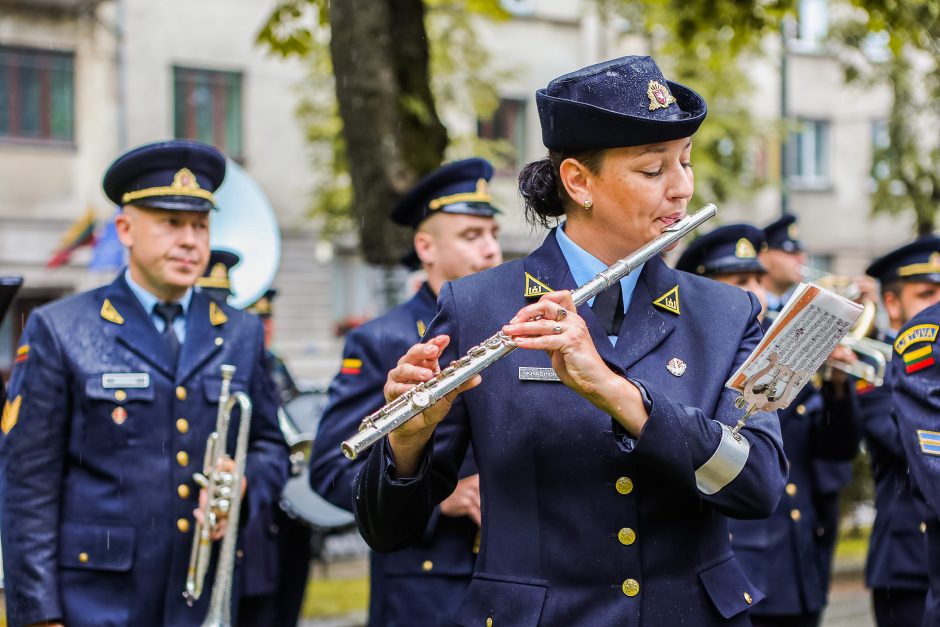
{"x":480,"y":194}
{"x":659,"y":96}
{"x":534,"y":287}
{"x":185,"y":179}
{"x":676,"y":367}
{"x":744,"y":249}
{"x":793,"y":232}
{"x":669,"y":301}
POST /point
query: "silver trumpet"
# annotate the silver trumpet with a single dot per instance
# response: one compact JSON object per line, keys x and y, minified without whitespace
{"x":224,"y":501}
{"x":377,"y":425}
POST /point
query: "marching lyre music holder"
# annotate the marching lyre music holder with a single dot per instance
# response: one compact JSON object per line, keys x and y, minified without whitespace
{"x":765,"y":398}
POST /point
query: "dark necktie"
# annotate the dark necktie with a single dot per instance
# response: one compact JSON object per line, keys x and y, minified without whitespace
{"x":608,"y":307}
{"x":169,"y":312}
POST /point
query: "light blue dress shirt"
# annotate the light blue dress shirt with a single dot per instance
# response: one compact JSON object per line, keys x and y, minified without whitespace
{"x":584,"y":266}
{"x":148,"y":300}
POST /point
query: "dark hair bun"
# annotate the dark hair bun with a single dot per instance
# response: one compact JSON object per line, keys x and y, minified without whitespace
{"x":538,"y":185}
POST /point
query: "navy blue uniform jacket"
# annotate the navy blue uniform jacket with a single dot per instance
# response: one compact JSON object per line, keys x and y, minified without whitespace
{"x":897,"y":550}
{"x":582,"y":524}
{"x":781,"y":554}
{"x":423,"y":584}
{"x":97,"y":517}
{"x":915,"y":380}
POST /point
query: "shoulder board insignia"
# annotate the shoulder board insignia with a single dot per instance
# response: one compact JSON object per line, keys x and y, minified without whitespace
{"x":918,"y":359}
{"x":216,"y":315}
{"x":534,"y":287}
{"x":109,"y":313}
{"x":669,"y":301}
{"x":929,"y":442}
{"x":11,"y":413}
{"x":22,"y":354}
{"x":421,"y":328}
{"x":920,"y":333}
{"x":351,"y":366}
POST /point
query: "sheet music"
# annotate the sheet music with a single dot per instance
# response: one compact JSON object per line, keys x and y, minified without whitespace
{"x":808,"y":328}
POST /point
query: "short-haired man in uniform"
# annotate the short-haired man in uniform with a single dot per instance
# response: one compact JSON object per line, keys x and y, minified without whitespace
{"x":112,"y":399}
{"x":455,"y":235}
{"x":216,"y":281}
{"x":896,"y":568}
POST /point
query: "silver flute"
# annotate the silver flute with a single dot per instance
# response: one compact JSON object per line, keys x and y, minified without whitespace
{"x":377,"y":425}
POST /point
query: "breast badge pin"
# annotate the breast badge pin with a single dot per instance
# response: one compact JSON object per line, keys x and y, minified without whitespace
{"x":676,"y":366}
{"x":119,"y":415}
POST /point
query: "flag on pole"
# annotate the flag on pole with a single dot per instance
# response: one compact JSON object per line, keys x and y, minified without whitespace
{"x":81,"y":233}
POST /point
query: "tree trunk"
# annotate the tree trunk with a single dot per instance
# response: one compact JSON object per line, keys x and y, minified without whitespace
{"x":392,"y":132}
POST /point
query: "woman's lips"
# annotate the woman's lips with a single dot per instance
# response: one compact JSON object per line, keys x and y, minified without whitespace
{"x":672,"y":218}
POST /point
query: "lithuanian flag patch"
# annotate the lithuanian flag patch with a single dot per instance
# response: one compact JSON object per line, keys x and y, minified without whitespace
{"x":351,"y":366}
{"x":929,"y":442}
{"x":918,"y":359}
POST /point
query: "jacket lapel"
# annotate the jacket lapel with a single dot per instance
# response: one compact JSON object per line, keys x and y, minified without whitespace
{"x":646,"y":325}
{"x":132,"y":326}
{"x":204,"y":331}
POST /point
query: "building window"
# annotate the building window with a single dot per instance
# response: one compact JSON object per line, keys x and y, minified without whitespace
{"x":808,"y":154}
{"x":812,"y":23}
{"x":208,"y":107}
{"x":37,"y":94}
{"x":508,"y":126}
{"x":880,"y":141}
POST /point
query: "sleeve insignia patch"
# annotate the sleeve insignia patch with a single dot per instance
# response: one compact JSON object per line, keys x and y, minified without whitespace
{"x":216,"y":315}
{"x":918,"y":359}
{"x":534,"y":287}
{"x":351,"y":366}
{"x":669,"y":301}
{"x":929,"y":442}
{"x":11,"y":413}
{"x":109,"y":313}
{"x":920,"y":333}
{"x":421,"y":329}
{"x":863,"y":387}
{"x":22,"y":354}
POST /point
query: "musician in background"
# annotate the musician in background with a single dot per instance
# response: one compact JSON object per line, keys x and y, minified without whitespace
{"x":604,"y":441}
{"x":785,"y":260}
{"x":896,"y":568}
{"x":277,"y":550}
{"x":452,"y":214}
{"x":915,"y":381}
{"x":113,"y":396}
{"x":780,"y":554}
{"x":216,"y":281}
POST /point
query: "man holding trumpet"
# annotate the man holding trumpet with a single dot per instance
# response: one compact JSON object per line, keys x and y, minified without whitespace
{"x":113,"y":396}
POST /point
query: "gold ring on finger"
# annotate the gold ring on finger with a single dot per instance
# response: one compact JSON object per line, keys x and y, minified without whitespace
{"x":558,"y":329}
{"x":562,"y":313}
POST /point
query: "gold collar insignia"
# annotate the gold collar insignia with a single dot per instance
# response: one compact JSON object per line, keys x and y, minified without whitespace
{"x":534,"y":287}
{"x":216,"y":315}
{"x":669,"y":301}
{"x":109,"y":313}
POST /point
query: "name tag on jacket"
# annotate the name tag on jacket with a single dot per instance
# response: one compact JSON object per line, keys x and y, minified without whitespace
{"x":125,"y":380}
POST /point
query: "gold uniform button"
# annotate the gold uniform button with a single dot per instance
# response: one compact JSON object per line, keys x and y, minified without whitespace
{"x":219,"y":341}
{"x":624,"y":485}
{"x":801,"y":409}
{"x":240,"y":553}
{"x":427,"y":565}
{"x":83,"y":557}
{"x":182,"y":425}
{"x":795,"y":515}
{"x":120,"y":395}
{"x":182,"y":458}
{"x":626,"y":536}
{"x":630,"y":587}
{"x":489,"y":621}
{"x":748,"y":598}
{"x":183,"y":525}
{"x":791,"y":489}
{"x":181,"y":393}
{"x":183,"y":491}
{"x":923,"y":527}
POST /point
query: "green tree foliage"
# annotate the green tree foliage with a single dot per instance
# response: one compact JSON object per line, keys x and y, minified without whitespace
{"x":897,"y":45}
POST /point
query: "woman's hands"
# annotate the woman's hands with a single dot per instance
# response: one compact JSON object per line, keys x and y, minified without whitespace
{"x":553,"y":325}
{"x":419,"y":364}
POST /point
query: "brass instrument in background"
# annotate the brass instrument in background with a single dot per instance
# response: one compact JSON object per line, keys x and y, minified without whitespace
{"x":873,"y":355}
{"x":224,"y":501}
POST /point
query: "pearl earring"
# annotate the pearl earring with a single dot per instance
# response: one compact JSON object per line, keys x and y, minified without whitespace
{"x":588,"y":204}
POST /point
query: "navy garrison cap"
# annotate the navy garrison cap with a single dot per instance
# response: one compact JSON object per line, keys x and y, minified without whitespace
{"x":782,"y":234}
{"x":725,"y":250}
{"x":179,"y":174}
{"x":217,"y":272}
{"x":457,"y":187}
{"x":917,"y":261}
{"x":623,"y":102}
